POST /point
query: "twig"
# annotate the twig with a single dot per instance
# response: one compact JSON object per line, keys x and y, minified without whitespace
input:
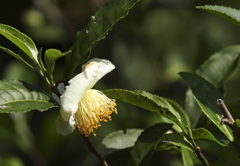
{"x":227,"y":118}
{"x":198,"y":152}
{"x":94,"y":151}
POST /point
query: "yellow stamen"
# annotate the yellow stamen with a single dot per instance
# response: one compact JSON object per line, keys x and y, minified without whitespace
{"x":93,"y":108}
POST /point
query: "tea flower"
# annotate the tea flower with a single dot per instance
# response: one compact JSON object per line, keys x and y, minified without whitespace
{"x":82,"y":107}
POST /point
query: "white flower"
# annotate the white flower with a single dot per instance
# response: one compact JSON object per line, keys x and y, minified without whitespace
{"x":82,"y":107}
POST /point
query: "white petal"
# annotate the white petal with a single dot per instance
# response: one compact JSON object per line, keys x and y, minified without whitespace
{"x":64,"y":127}
{"x":93,"y":70}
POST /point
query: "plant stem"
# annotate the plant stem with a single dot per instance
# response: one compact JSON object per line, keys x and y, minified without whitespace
{"x":227,"y":118}
{"x":198,"y":152}
{"x":94,"y":151}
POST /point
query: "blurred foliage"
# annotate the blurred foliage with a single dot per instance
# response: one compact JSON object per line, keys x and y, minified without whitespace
{"x":157,"y":40}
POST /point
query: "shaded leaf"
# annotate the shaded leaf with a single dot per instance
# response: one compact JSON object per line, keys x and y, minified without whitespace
{"x":121,"y":140}
{"x":177,"y":139}
{"x":203,"y":134}
{"x":19,"y":96}
{"x":96,"y":30}
{"x":189,"y":158}
{"x":227,"y":13}
{"x":149,"y":102}
{"x":143,"y":149}
{"x":206,"y":96}
{"x":217,"y":69}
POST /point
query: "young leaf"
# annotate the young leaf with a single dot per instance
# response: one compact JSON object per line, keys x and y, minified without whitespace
{"x":50,"y":57}
{"x":96,"y":30}
{"x":22,"y":41}
{"x":19,"y":96}
{"x":217,"y":69}
{"x":206,"y":96}
{"x":227,"y":13}
{"x":149,"y":102}
{"x":143,"y":149}
{"x":121,"y":140}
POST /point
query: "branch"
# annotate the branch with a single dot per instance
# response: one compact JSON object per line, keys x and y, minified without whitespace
{"x":227,"y":118}
{"x":94,"y":151}
{"x":198,"y":152}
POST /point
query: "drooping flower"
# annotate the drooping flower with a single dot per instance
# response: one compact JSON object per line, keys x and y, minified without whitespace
{"x":84,"y":108}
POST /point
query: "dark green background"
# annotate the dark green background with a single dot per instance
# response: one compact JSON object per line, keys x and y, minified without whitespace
{"x":157,"y":40}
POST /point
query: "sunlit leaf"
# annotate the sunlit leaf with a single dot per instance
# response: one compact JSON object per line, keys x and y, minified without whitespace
{"x":206,"y":96}
{"x":19,"y":96}
{"x":217,"y":69}
{"x":149,"y":102}
{"x":22,"y":41}
{"x":143,"y":149}
{"x":97,"y":28}
{"x":227,"y":13}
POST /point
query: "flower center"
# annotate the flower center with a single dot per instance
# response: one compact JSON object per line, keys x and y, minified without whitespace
{"x":93,"y":108}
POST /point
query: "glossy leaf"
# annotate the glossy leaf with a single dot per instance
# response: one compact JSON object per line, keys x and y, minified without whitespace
{"x":96,"y":30}
{"x":217,"y":69}
{"x":19,"y":96}
{"x":206,"y":96}
{"x":149,"y":102}
{"x":143,"y":149}
{"x":120,"y":139}
{"x":227,"y":13}
{"x":22,"y":41}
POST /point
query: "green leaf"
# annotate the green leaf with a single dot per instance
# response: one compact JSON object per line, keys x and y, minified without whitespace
{"x":217,"y":69}
{"x":121,"y":140}
{"x":22,"y":41}
{"x":19,"y":96}
{"x":182,"y":113}
{"x":26,"y":60}
{"x":177,"y":139}
{"x":206,"y":96}
{"x":96,"y":30}
{"x":227,"y":13}
{"x":189,"y":158}
{"x":203,"y":134}
{"x":143,"y":149}
{"x":149,"y":102}
{"x":50,"y":57}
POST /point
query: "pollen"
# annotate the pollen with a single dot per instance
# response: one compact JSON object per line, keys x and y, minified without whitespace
{"x":95,"y":107}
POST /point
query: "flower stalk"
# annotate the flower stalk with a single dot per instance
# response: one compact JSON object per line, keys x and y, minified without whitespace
{"x":94,"y":151}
